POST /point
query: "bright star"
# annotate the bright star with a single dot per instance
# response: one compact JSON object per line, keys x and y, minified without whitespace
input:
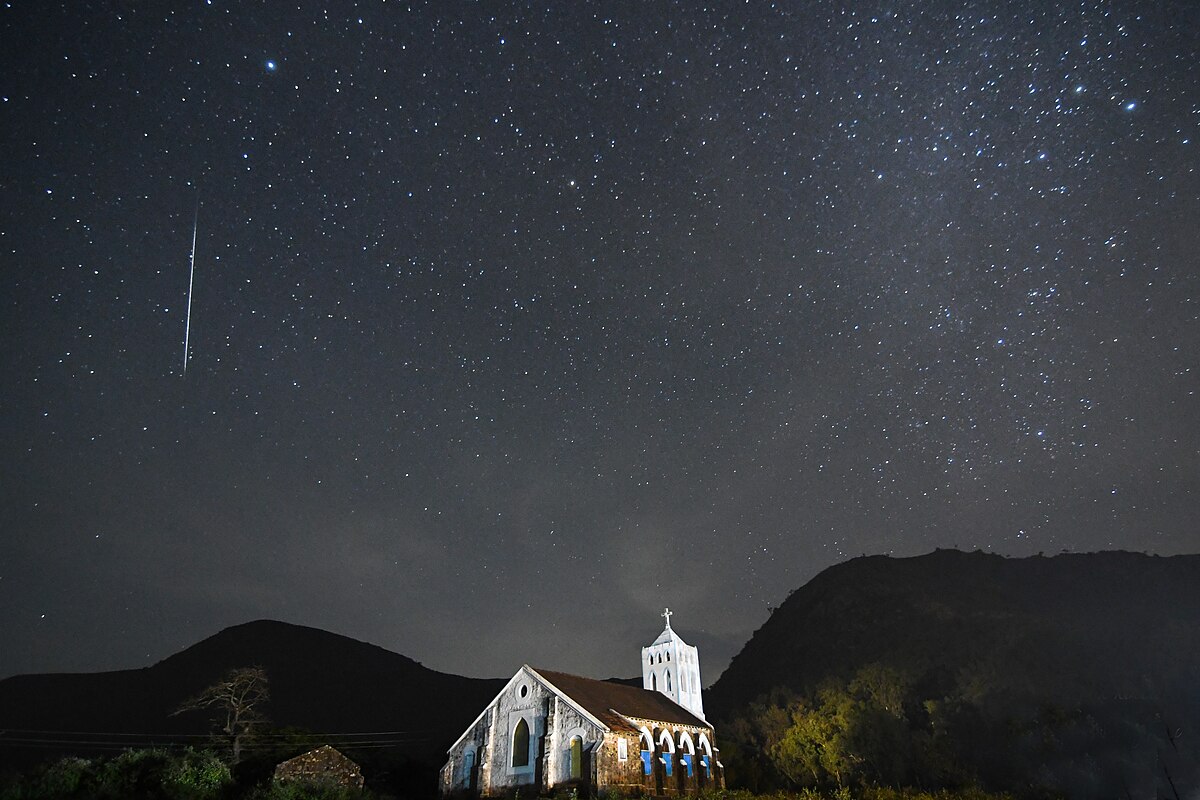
{"x":1131,"y":105}
{"x":271,"y":66}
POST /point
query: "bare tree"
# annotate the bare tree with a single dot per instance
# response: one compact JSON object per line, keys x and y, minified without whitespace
{"x":240,"y":698}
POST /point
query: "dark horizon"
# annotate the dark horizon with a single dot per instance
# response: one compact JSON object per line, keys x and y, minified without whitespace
{"x":709,"y":677}
{"x":509,"y":330}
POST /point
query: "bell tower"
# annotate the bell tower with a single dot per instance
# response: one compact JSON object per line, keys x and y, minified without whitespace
{"x":672,"y":666}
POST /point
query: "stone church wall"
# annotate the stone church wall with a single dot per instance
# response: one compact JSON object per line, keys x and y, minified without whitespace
{"x":613,"y":773}
{"x":481,"y":763}
{"x":551,"y":723}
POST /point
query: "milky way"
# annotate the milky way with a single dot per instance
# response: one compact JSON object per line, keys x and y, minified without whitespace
{"x":513,"y":325}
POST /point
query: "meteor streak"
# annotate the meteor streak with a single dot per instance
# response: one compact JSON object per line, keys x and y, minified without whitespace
{"x":187,"y":328}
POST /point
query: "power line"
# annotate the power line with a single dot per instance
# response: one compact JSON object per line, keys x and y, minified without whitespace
{"x":167,"y":745}
{"x":18,"y":738}
{"x":339,"y":734}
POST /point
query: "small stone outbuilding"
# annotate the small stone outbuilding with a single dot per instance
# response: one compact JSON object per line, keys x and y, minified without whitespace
{"x":324,"y":766}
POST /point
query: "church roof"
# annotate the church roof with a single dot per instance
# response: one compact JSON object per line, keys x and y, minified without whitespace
{"x":667,"y":635}
{"x":612,"y":702}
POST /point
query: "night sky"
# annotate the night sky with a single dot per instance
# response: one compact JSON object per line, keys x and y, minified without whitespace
{"x":513,"y":324}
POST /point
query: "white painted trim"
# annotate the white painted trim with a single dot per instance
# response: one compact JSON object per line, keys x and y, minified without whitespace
{"x":485,"y":708}
{"x":534,"y":729}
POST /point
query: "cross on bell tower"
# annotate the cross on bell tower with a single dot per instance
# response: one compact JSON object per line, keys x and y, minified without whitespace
{"x":667,"y":616}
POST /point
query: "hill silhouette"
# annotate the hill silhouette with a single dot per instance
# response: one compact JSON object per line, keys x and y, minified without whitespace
{"x":319,"y":681}
{"x":1070,"y":672}
{"x":1072,"y":626}
{"x":1077,"y":672}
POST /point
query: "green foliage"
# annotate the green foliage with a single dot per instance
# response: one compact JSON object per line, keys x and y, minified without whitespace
{"x":864,"y":793}
{"x":66,"y":777}
{"x":154,"y":774}
{"x":195,"y":775}
{"x":873,"y":730}
{"x":887,"y":793}
{"x":881,"y":729}
{"x":134,"y":773}
{"x":273,"y":790}
{"x":835,"y":793}
{"x":846,"y":735}
{"x":811,"y":747}
{"x":746,"y":740}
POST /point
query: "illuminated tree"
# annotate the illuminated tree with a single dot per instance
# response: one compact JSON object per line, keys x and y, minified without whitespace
{"x":239,"y":698}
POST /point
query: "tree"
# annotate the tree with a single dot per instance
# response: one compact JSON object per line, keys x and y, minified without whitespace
{"x":240,"y":698}
{"x":816,"y":748}
{"x":748,"y":738}
{"x":857,"y":733}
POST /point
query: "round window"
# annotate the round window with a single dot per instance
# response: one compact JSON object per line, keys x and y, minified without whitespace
{"x":524,"y":690}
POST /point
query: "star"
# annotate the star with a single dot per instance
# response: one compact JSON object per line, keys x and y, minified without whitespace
{"x":583,"y":284}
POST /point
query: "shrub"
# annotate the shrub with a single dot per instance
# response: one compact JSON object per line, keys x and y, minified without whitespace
{"x":195,"y":775}
{"x":274,"y":790}
{"x":65,"y":777}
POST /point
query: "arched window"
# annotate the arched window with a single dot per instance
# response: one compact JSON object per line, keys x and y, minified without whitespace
{"x":647,"y":751}
{"x":576,"y":758}
{"x":654,"y":681}
{"x":687,"y":753}
{"x":666,"y":753}
{"x":668,"y":655}
{"x":520,"y":744}
{"x":669,"y":689}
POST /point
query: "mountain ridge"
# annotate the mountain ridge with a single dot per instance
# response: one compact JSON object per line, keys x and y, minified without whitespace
{"x":1112,"y":637}
{"x":319,"y":681}
{"x":951,"y":607}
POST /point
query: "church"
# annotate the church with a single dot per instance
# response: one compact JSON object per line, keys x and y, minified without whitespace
{"x":549,"y":730}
